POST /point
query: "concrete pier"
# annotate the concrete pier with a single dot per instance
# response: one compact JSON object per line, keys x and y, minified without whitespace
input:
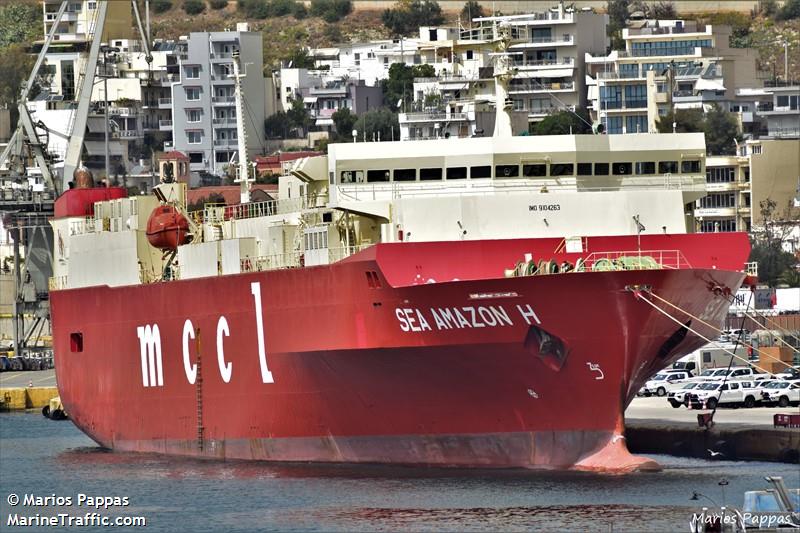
{"x":26,"y":397}
{"x":653,"y":426}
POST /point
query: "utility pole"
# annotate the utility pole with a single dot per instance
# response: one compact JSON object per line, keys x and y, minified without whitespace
{"x":106,"y":50}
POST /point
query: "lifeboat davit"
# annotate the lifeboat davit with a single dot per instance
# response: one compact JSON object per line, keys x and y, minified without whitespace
{"x":167,"y":228}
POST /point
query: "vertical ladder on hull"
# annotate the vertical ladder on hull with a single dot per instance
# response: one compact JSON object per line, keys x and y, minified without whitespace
{"x":199,"y":393}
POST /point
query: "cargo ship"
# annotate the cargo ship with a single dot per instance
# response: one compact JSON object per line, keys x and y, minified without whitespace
{"x":453,"y":302}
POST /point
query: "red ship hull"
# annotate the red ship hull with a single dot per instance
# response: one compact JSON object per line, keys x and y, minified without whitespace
{"x":370,"y":360}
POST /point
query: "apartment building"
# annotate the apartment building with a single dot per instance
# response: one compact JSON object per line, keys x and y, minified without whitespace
{"x":670,"y":64}
{"x":204,"y":124}
{"x":782,"y":112}
{"x":738,"y":184}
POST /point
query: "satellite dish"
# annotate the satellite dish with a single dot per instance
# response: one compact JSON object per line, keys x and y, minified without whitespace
{"x":598,"y":128}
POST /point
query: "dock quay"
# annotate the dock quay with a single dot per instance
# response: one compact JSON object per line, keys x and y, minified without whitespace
{"x":653,"y":426}
{"x":16,"y":398}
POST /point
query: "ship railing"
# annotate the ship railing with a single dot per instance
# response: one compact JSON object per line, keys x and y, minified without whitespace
{"x":57,"y":283}
{"x":636,"y":260}
{"x":295,"y":259}
{"x":81,"y":227}
{"x":500,"y":185}
{"x":218,"y":213}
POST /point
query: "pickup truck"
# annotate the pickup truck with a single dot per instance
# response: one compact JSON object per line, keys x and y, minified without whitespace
{"x":713,"y":393}
{"x":663,"y":382}
{"x":782,"y":393}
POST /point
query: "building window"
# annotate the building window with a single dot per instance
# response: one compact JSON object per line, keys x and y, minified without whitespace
{"x":716,"y":200}
{"x":628,"y":70}
{"x":91,"y":5}
{"x":193,"y":115}
{"x":614,"y":125}
{"x":405,"y":174}
{"x":611,"y":98}
{"x":470,"y":54}
{"x":457,"y":173}
{"x":755,"y":149}
{"x":192,"y":72}
{"x":430,"y":174}
{"x":635,"y":96}
{"x":193,"y":93}
{"x":561,"y":169}
{"x":636,"y":124}
{"x":506,"y":171}
{"x":584,"y":169}
{"x":720,"y":175}
{"x":601,"y":169}
{"x":480,"y":172}
{"x":194,"y":137}
{"x":534,"y":171}
{"x":377,"y":175}
{"x":622,"y":169}
{"x":646,"y":167}
{"x":713,"y":226}
{"x":667,"y":167}
{"x":690,"y":166}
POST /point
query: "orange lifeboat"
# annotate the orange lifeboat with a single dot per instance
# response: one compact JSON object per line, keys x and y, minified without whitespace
{"x":167,"y":228}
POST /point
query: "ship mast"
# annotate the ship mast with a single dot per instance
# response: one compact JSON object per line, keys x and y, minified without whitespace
{"x":502,"y":76}
{"x":243,"y":177}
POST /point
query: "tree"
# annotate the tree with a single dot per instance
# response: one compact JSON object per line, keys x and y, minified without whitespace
{"x":564,"y":123}
{"x":19,"y":23}
{"x":663,"y":11}
{"x":767,"y":244}
{"x":790,"y":10}
{"x":472,"y":9}
{"x":331,"y":10}
{"x":218,"y":4}
{"x":344,"y":120}
{"x":299,"y":10}
{"x":15,"y":64}
{"x":400,"y":83}
{"x":617,"y":18}
{"x":299,"y":117}
{"x":277,"y":126}
{"x":686,"y":121}
{"x":194,"y":7}
{"x":299,"y":58}
{"x":162,"y":6}
{"x":769,"y":7}
{"x":721,"y":131}
{"x":406,"y":17}
{"x":380,"y":122}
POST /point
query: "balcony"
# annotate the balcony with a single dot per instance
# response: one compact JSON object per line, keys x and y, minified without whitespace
{"x":223,"y":100}
{"x":520,"y":88}
{"x":784,"y":133}
{"x":535,"y":42}
{"x":555,"y":63}
{"x":165,"y":125}
{"x":539,"y":112}
{"x":226,"y":142}
{"x":435,"y":117}
{"x":165,"y":102}
{"x":224,"y":121}
{"x":221,"y":56}
{"x":127,"y":134}
{"x":123,"y":111}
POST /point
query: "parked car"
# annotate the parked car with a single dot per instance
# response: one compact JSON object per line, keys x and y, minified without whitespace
{"x":663,"y":382}
{"x":783,"y":393}
{"x":711,"y":374}
{"x":677,"y":397}
{"x":789,"y":373}
{"x":714,"y":393}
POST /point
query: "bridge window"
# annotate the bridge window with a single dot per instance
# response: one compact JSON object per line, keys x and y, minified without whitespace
{"x":562,"y":169}
{"x":665,"y":167}
{"x":457,"y":173}
{"x":430,"y":173}
{"x":646,"y":167}
{"x":352,"y":176}
{"x":377,"y":175}
{"x":534,"y":171}
{"x":622,"y":169}
{"x":601,"y":169}
{"x":506,"y":171}
{"x":690,"y":166}
{"x":405,"y":174}
{"x":584,"y":169}
{"x":480,"y":172}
